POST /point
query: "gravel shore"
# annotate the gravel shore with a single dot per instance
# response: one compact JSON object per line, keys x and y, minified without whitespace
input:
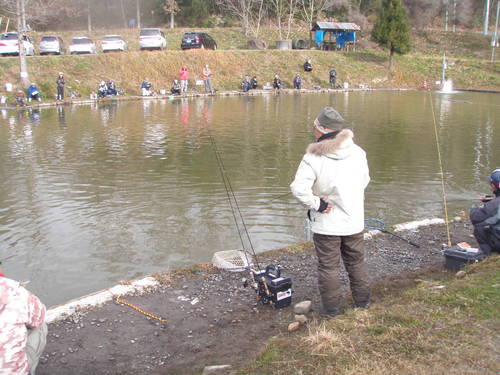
{"x":212,"y":318}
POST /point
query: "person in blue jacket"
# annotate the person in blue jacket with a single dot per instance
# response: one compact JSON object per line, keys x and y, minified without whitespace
{"x":34,"y":93}
{"x":486,"y":218}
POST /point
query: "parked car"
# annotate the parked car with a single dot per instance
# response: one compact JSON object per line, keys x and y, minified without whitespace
{"x":9,"y":45}
{"x":113,"y":43}
{"x":81,"y":44}
{"x":51,"y":44}
{"x":152,"y":39}
{"x":198,"y":40}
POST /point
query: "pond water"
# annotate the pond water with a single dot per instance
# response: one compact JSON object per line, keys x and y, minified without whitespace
{"x":92,"y":195}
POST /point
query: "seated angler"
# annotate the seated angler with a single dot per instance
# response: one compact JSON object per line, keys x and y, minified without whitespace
{"x":486,"y":218}
{"x":102,"y":90}
{"x":253,"y":83}
{"x":246,"y":84}
{"x":33,"y":93}
{"x":111,"y":87}
{"x":176,"y":87}
{"x":23,"y":328}
{"x":308,"y":66}
{"x":20,"y":97}
{"x":146,"y":88}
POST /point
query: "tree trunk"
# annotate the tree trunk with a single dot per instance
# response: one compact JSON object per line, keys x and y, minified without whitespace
{"x":89,"y":17}
{"x":138,"y":10}
{"x":391,"y":63}
{"x":171,"y":20}
{"x":486,"y":17}
{"x":23,"y":68}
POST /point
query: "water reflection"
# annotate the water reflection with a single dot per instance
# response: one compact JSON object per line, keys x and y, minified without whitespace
{"x":97,"y":194}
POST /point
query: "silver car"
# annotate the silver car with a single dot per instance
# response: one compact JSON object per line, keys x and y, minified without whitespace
{"x":152,"y":39}
{"x":113,"y":43}
{"x":51,"y":44}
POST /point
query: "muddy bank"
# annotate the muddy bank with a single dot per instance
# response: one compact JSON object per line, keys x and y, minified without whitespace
{"x":212,"y":319}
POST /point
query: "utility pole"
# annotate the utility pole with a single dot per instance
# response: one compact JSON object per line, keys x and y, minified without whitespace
{"x":494,"y":39}
{"x":89,"y":17}
{"x":486,"y":17}
{"x":23,"y":67}
{"x":138,"y":9}
{"x":23,"y":16}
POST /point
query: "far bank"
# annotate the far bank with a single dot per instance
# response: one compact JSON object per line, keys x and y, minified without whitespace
{"x":367,"y":68}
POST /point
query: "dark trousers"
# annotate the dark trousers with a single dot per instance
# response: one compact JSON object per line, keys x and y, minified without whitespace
{"x":486,"y":239}
{"x":60,"y":92}
{"x":333,"y":82}
{"x":330,"y":249}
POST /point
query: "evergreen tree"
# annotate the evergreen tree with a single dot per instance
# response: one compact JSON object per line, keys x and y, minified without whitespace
{"x":392,"y":29}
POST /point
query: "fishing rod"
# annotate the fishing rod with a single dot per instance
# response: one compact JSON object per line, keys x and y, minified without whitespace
{"x":270,"y":287}
{"x":377,"y":224}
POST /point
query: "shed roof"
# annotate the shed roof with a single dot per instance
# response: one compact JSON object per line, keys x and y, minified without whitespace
{"x":335,"y":26}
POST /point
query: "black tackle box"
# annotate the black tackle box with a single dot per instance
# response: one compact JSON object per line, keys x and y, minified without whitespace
{"x":459,"y":255}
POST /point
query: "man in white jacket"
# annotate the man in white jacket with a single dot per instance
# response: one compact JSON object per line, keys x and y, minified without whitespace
{"x":330,"y":182}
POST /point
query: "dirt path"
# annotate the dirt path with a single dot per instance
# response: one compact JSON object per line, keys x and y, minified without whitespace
{"x":212,"y":319}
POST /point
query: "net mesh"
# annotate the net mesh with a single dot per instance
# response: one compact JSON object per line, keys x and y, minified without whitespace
{"x":231,"y":260}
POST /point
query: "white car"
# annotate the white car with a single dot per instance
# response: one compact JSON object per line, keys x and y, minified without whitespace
{"x":9,"y":45}
{"x":113,"y":43}
{"x":51,"y":44}
{"x":152,"y":39}
{"x":81,"y":44}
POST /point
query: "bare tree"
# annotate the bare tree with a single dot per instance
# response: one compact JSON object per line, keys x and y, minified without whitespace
{"x":312,"y":8}
{"x":242,"y":9}
{"x":171,"y":7}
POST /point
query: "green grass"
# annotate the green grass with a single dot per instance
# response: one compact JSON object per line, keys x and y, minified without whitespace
{"x":422,"y":330}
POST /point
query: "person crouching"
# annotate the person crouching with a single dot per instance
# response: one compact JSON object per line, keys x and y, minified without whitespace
{"x":33,"y":93}
{"x":486,"y":218}
{"x":23,"y":328}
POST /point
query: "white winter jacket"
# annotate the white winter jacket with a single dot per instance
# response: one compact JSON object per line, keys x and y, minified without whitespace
{"x":337,"y":168}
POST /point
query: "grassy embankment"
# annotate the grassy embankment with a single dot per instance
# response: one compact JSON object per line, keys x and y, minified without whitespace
{"x":443,"y":325}
{"x":468,"y":53}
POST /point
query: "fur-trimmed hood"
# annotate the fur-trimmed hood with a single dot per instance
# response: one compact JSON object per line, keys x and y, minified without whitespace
{"x":337,"y":148}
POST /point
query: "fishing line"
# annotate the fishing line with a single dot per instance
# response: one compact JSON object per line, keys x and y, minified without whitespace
{"x":230,"y":193}
{"x":445,"y":204}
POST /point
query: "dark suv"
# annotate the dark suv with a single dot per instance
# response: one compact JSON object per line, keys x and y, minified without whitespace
{"x":198,"y":40}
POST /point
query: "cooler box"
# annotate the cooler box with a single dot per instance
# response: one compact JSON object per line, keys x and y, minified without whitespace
{"x":459,"y":255}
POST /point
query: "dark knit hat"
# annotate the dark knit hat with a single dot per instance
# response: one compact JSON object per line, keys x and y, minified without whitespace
{"x":330,"y":119}
{"x":495,"y":177}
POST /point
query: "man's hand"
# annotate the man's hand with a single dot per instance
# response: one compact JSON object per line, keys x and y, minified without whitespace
{"x":487,"y":198}
{"x":324,"y":206}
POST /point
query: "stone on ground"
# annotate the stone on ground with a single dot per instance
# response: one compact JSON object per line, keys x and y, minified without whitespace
{"x":293,"y":326}
{"x":460,"y":274}
{"x":217,"y":370}
{"x":300,"y":318}
{"x":302,"y":308}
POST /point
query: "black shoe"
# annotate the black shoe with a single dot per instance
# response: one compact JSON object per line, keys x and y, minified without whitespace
{"x":330,"y":313}
{"x":362,"y":304}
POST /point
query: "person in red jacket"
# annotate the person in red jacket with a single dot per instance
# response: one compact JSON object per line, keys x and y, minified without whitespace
{"x":183,"y":77}
{"x":23,"y":328}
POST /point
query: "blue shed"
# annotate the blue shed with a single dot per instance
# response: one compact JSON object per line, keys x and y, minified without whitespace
{"x":330,"y":36}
